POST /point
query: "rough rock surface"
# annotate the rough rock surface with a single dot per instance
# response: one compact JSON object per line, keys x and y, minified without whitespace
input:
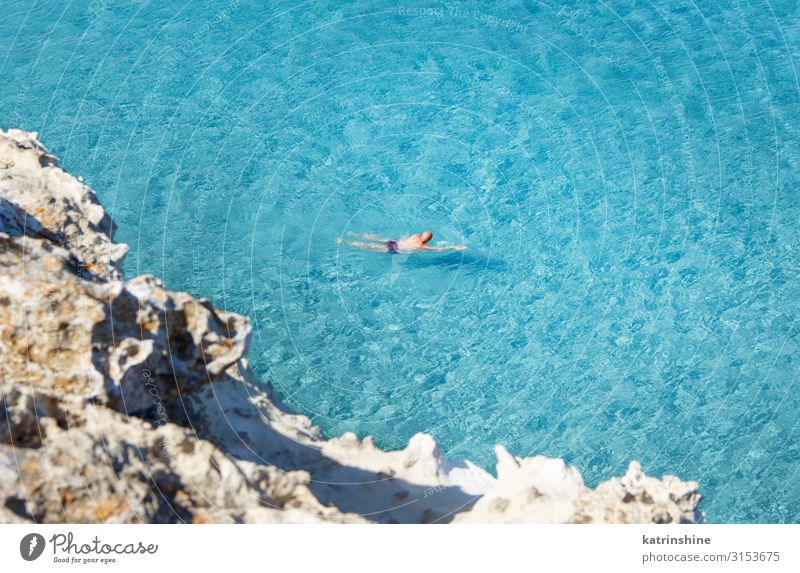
{"x":54,"y":200}
{"x":125,"y":402}
{"x":86,"y":465}
{"x":554,"y":491}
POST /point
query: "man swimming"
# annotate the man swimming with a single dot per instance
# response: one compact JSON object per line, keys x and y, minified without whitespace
{"x":418,"y":242}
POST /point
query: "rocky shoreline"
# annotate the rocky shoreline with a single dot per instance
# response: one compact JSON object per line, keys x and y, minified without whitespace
{"x":124,"y":402}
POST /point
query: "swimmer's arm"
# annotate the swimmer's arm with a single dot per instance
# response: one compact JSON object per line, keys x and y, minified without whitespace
{"x":453,"y":248}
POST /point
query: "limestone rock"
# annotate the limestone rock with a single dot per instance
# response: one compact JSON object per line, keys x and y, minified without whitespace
{"x":638,"y":498}
{"x":548,"y":490}
{"x":57,"y":205}
{"x":129,"y":345}
{"x":65,"y":464}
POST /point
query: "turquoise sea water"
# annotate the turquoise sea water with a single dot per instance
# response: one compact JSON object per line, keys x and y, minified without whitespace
{"x":624,"y":173}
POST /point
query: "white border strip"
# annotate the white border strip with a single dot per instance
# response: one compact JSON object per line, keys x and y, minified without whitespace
{"x":409,"y":548}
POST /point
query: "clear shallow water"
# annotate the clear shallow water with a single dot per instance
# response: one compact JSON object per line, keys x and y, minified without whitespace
{"x":625,"y":176}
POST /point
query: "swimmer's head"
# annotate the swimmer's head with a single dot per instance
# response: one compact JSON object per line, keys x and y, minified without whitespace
{"x":426,"y":236}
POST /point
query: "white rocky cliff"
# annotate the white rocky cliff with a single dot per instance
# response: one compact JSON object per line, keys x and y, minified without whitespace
{"x":121,"y":401}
